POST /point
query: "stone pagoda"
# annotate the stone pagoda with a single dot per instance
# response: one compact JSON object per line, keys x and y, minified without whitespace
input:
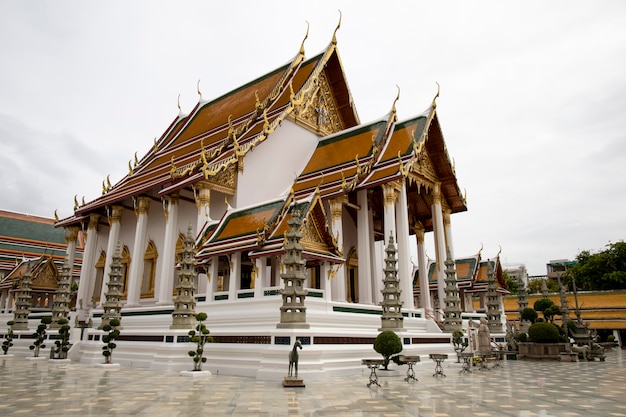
{"x":494,"y":312}
{"x":293,"y":311}
{"x":452,"y":302}
{"x":112,"y":305}
{"x":392,"y":315}
{"x":61,"y":305}
{"x":184,"y":315}
{"x":23,"y":302}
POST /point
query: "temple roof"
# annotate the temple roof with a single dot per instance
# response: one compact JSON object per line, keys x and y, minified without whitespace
{"x":44,"y":272}
{"x":261,"y":230}
{"x":218,"y":133}
{"x":24,"y":236}
{"x":471,"y":273}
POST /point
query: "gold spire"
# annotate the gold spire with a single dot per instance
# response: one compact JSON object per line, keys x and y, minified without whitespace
{"x":108,"y":182}
{"x":305,"y":38}
{"x":179,"y":103}
{"x":334,"y":41}
{"x":130,"y":167}
{"x":136,"y":160}
{"x":56,"y":216}
{"x":75,"y":202}
{"x":434,"y":104}
{"x":393,"y":106}
{"x":198,"y":90}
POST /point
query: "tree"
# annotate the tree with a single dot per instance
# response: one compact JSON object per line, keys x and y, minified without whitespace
{"x":543,"y":333}
{"x":542,"y":305}
{"x":62,"y":345}
{"x":605,"y":270}
{"x":388,"y":344}
{"x":529,"y":314}
{"x":199,"y":336}
{"x":8,"y":340}
{"x":511,"y":283}
{"x":40,"y":336}
{"x":109,"y":339}
{"x":550,"y":312}
{"x":459,"y":342}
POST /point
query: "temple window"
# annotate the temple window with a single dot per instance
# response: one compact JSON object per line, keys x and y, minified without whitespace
{"x":97,"y":288}
{"x":149,"y":270}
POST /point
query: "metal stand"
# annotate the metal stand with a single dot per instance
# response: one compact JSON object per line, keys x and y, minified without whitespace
{"x":410,"y":361}
{"x":466,"y":366}
{"x":373,"y":365}
{"x":438,"y":358}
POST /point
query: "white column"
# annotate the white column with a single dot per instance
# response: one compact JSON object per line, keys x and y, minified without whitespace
{"x":326,"y":280}
{"x":423,"y":271}
{"x":86,"y":283}
{"x":115,"y":222}
{"x":203,"y":201}
{"x":447,"y":229}
{"x":260,"y":272}
{"x":71,"y":234}
{"x":404,"y":250}
{"x":135,"y":275}
{"x":234,"y":283}
{"x":440,"y":245}
{"x":3,"y":301}
{"x":390,"y":194}
{"x":166,"y":278}
{"x":212,"y":275}
{"x":363,"y":245}
{"x":336,"y":275}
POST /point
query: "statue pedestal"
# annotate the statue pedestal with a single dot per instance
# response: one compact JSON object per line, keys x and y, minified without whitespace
{"x":292,"y":381}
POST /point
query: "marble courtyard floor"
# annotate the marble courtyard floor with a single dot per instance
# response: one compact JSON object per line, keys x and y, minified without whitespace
{"x":518,"y":388}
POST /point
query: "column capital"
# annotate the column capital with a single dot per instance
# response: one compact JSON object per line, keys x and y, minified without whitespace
{"x":419,"y":230}
{"x":336,"y":207}
{"x":115,"y":214}
{"x":142,"y":205}
{"x":437,"y":193}
{"x":94,"y":220}
{"x":71,"y":234}
{"x":391,"y":192}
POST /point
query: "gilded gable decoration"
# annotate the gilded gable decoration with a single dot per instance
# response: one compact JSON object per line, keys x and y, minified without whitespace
{"x":320,"y":113}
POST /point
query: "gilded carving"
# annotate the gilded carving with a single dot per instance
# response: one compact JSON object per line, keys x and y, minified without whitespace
{"x":319,"y":113}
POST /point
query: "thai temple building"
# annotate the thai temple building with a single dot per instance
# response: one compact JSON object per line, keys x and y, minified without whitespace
{"x":292,"y":210}
{"x":32,"y":244}
{"x":473,"y":282}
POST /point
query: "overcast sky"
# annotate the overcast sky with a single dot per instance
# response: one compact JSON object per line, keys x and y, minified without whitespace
{"x":532,"y":104}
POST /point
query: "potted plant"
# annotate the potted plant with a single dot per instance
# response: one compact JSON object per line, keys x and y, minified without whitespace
{"x":62,"y":345}
{"x":388,"y":344}
{"x":109,"y":339}
{"x":8,"y":340}
{"x":199,"y":336}
{"x":459,"y":343}
{"x":40,"y":336}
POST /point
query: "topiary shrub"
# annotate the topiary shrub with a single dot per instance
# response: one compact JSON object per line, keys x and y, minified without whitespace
{"x":199,"y":336}
{"x":109,"y":339}
{"x":529,"y":314}
{"x":8,"y":341}
{"x":388,"y":344}
{"x":543,"y":332}
{"x":62,"y":345}
{"x":522,"y":337}
{"x":40,"y":336}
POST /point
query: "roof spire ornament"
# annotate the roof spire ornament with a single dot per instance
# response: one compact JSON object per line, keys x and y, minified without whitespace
{"x":136,"y":160}
{"x":434,"y":103}
{"x":305,"y":38}
{"x":198,"y":90}
{"x":56,"y":216}
{"x":393,"y":106}
{"x":334,"y":41}
{"x":75,"y":202}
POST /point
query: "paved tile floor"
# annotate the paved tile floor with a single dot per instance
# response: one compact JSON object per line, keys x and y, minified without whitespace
{"x":518,"y":388}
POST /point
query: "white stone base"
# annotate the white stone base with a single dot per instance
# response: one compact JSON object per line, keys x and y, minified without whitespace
{"x":107,"y":366}
{"x":195,"y":374}
{"x":8,"y":355}
{"x":60,"y":361}
{"x":37,"y":359}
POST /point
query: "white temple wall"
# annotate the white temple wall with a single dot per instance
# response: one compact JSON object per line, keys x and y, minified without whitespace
{"x":289,"y":150}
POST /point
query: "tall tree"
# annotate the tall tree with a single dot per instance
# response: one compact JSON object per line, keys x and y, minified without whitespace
{"x":604,"y":270}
